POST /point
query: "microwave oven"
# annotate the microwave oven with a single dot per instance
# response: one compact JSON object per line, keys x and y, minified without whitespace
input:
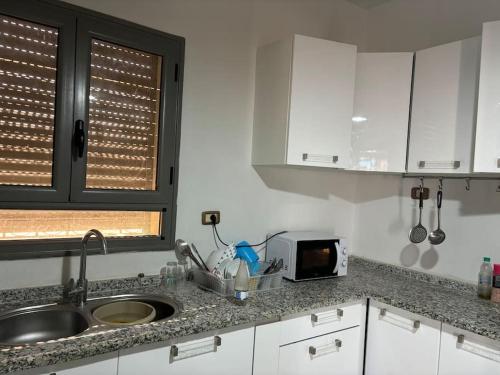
{"x":309,"y":255}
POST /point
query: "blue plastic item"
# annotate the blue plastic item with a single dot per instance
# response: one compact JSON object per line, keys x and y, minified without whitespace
{"x":246,"y":252}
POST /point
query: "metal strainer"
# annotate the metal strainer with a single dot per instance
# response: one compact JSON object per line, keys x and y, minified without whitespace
{"x":419,"y":233}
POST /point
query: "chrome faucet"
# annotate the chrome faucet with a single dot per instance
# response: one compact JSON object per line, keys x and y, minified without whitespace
{"x":80,"y":290}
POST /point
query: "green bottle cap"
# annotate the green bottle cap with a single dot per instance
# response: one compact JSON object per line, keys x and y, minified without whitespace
{"x":487,"y":259}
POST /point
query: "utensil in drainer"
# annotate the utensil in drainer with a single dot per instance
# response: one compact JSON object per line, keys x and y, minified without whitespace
{"x":418,"y":233}
{"x":438,"y":236}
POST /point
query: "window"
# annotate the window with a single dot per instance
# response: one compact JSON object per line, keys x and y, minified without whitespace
{"x":89,"y":130}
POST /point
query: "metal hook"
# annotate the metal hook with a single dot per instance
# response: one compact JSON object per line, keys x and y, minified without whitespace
{"x":421,"y":183}
{"x":440,"y":186}
{"x":467,"y":184}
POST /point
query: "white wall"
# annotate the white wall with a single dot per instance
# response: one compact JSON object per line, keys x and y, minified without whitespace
{"x":384,"y":211}
{"x":215,"y":170}
{"x":409,"y":25}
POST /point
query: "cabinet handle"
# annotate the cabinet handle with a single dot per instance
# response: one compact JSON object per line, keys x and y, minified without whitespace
{"x":454,"y":164}
{"x":194,"y":349}
{"x":383,"y":313}
{"x":329,"y":316}
{"x":491,"y":354}
{"x":325,"y":349}
{"x":320,"y":158}
{"x":498,"y":163}
{"x":79,"y":137}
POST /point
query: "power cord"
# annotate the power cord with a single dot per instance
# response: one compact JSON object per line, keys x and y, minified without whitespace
{"x":214,"y":229}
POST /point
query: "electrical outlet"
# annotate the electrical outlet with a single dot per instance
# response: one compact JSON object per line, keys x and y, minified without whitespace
{"x":205,"y":217}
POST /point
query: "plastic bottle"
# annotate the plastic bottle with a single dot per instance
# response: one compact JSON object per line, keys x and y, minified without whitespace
{"x":485,"y":279}
{"x":495,"y":291}
{"x":241,"y":281}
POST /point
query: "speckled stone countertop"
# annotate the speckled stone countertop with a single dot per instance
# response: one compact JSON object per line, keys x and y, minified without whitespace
{"x":437,"y":298}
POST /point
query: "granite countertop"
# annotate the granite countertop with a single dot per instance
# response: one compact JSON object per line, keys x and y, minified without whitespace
{"x":437,"y":298}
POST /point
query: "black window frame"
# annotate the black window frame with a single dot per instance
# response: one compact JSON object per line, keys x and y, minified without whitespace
{"x":78,"y":24}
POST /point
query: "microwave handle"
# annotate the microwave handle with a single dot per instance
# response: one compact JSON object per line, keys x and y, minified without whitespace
{"x":339,"y":253}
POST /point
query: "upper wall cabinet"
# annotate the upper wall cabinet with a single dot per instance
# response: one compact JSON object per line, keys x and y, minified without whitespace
{"x":487,"y":150}
{"x":381,"y":111}
{"x":443,"y":108}
{"x":303,"y":103}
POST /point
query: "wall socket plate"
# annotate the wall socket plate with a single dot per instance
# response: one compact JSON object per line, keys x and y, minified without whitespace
{"x":205,"y":217}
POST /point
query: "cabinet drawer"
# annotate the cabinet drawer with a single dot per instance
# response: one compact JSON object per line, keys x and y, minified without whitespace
{"x":464,"y":353}
{"x":335,"y":353}
{"x":321,"y":323}
{"x":229,"y":353}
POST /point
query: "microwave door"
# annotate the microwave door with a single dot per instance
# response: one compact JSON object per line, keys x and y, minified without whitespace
{"x":316,"y":259}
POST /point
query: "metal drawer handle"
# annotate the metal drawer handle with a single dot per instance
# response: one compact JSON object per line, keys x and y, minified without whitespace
{"x":498,"y":163}
{"x":453,"y":164}
{"x":320,"y":158}
{"x":491,"y":354}
{"x":415,"y":325}
{"x":192,"y":350}
{"x":325,"y":349}
{"x":328,"y":316}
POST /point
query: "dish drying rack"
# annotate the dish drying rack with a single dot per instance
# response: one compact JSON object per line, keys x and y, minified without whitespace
{"x":225,"y":287}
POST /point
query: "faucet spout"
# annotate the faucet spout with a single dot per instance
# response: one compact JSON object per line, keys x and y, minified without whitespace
{"x":81,"y":286}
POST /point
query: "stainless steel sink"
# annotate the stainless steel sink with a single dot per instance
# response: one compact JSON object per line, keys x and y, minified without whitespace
{"x":26,"y":326}
{"x":51,"y":322}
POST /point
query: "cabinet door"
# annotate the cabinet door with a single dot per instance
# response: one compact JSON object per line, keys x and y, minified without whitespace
{"x":36,"y":101}
{"x":321,"y":103}
{"x":335,"y":353}
{"x":229,"y":353}
{"x":266,"y":351}
{"x":401,"y":343}
{"x":443,"y":108}
{"x":381,"y":111}
{"x":106,"y":364}
{"x":487,"y":150}
{"x":126,"y":103}
{"x":107,"y":367}
{"x":464,"y":353}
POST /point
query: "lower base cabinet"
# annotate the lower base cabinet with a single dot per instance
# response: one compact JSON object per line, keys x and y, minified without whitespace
{"x":401,"y":343}
{"x":106,"y":364}
{"x":229,"y":353}
{"x":464,"y":353}
{"x":335,"y":353}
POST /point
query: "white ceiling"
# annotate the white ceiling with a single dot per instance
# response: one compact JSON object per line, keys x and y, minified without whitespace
{"x":368,"y":3}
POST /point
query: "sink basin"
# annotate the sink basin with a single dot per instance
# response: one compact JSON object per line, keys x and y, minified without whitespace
{"x":165,"y":307}
{"x":51,"y":322}
{"x":28,"y":326}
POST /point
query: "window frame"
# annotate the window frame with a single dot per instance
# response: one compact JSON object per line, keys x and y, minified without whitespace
{"x":52,"y":16}
{"x":68,"y":195}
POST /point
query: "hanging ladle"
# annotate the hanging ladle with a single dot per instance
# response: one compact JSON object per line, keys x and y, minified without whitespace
{"x":438,"y":236}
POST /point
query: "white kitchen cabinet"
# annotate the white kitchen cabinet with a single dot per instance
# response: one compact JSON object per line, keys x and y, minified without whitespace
{"x":335,"y":353}
{"x":465,"y":353}
{"x":321,"y":322}
{"x":443,"y":108}
{"x":106,"y":364}
{"x":303,"y":103}
{"x":266,"y":351}
{"x":381,"y":111}
{"x":229,"y":353}
{"x":401,"y":343}
{"x":487,"y":149}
